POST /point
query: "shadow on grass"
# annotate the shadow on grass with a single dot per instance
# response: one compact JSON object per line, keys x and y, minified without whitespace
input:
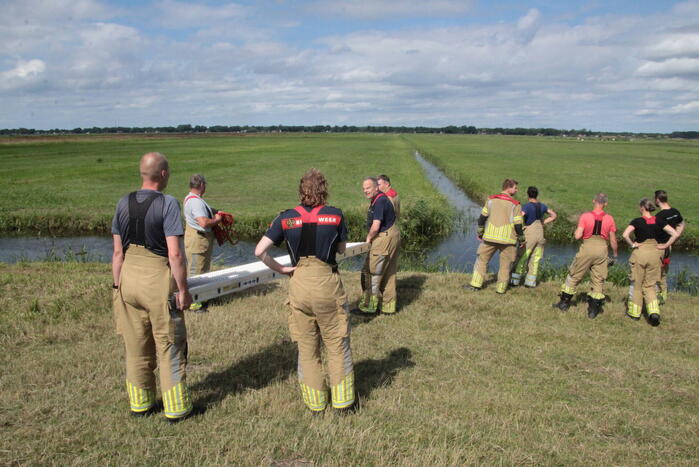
{"x":275,"y":362}
{"x":409,"y":289}
{"x":373,"y":374}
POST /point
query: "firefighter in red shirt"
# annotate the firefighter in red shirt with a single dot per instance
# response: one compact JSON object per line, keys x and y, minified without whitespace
{"x":595,"y":228}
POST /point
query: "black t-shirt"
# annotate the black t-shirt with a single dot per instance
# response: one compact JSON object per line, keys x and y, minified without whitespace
{"x":312,"y":232}
{"x":671,"y":217}
{"x":381,"y":209}
{"x":647,"y":227}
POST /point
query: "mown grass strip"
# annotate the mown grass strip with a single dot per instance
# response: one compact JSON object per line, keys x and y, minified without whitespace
{"x":454,"y":378}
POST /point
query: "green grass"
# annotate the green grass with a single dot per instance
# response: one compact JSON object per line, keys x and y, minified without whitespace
{"x":454,"y":378}
{"x":568,"y":173}
{"x":71,"y":185}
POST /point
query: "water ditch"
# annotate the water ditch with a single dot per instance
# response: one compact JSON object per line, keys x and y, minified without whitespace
{"x":457,"y":252}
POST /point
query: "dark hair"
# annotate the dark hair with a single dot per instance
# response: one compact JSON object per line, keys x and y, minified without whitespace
{"x":661,"y":195}
{"x":313,"y":188}
{"x":532,"y":192}
{"x":647,"y":205}
{"x":384,"y":177}
{"x":509,"y":183}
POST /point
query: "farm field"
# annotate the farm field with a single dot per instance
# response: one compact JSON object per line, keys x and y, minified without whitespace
{"x":453,"y":378}
{"x":71,"y":185}
{"x":568,"y":173}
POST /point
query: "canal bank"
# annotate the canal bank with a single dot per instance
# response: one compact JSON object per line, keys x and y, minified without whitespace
{"x":455,"y":252}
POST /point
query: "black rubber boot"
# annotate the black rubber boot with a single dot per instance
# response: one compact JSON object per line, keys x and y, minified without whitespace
{"x":654,"y":319}
{"x":594,"y":307}
{"x":564,"y":303}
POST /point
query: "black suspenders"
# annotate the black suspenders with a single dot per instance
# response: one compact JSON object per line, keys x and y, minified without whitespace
{"x":137,"y":217}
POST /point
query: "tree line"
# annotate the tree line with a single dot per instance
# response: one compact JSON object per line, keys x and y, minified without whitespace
{"x":451,"y":129}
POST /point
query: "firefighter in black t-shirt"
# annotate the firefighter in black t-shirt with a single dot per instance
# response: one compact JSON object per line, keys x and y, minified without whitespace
{"x":673,"y":218}
{"x":314,"y":233}
{"x":379,"y":270}
{"x":645,"y":260}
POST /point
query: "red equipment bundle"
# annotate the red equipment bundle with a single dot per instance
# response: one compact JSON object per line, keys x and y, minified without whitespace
{"x":224,"y":231}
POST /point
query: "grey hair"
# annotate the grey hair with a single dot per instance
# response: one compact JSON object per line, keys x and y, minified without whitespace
{"x":196,"y":181}
{"x":601,"y":198}
{"x":373,"y":180}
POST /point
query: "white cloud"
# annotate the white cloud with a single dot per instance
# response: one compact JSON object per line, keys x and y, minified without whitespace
{"x":674,"y":67}
{"x":382,"y":9}
{"x":689,"y":107}
{"x":25,"y":69}
{"x":675,"y":46}
{"x":177,"y":14}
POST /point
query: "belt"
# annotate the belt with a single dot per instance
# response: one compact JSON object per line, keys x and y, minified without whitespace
{"x":333,"y":267}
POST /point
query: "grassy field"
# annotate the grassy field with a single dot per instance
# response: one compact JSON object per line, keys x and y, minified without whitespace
{"x":71,"y":185}
{"x":452,"y":379}
{"x":568,"y":173}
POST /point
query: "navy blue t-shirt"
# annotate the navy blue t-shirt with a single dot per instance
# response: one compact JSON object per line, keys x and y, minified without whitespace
{"x":381,"y":209}
{"x":530,"y":212}
{"x":308,"y":234}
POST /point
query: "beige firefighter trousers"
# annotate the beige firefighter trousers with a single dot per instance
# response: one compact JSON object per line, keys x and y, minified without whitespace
{"x":319,"y":312}
{"x":591,"y":257}
{"x":153,"y":334}
{"x":645,"y":262}
{"x":486,"y":250}
{"x":198,"y":249}
{"x":380,"y":267}
{"x":530,"y":255}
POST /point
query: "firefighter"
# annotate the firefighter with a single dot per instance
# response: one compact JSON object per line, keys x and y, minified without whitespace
{"x":147,"y":227}
{"x":379,"y":270}
{"x":314,"y":233}
{"x":385,"y":187}
{"x":200,"y":219}
{"x":646,"y":260}
{"x":499,"y":229}
{"x":674,"y":219}
{"x":533,"y":250}
{"x":596,"y":228}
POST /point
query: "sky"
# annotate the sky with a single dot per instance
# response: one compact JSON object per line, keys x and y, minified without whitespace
{"x":611,"y":65}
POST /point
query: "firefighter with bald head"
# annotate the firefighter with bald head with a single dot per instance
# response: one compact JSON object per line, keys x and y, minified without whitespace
{"x":319,"y":312}
{"x":379,"y":270}
{"x":385,"y":187}
{"x":646,"y":260}
{"x":595,"y":228}
{"x":499,"y":229}
{"x":148,"y":265}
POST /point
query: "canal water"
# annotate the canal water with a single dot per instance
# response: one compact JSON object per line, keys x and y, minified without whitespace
{"x":454,"y":253}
